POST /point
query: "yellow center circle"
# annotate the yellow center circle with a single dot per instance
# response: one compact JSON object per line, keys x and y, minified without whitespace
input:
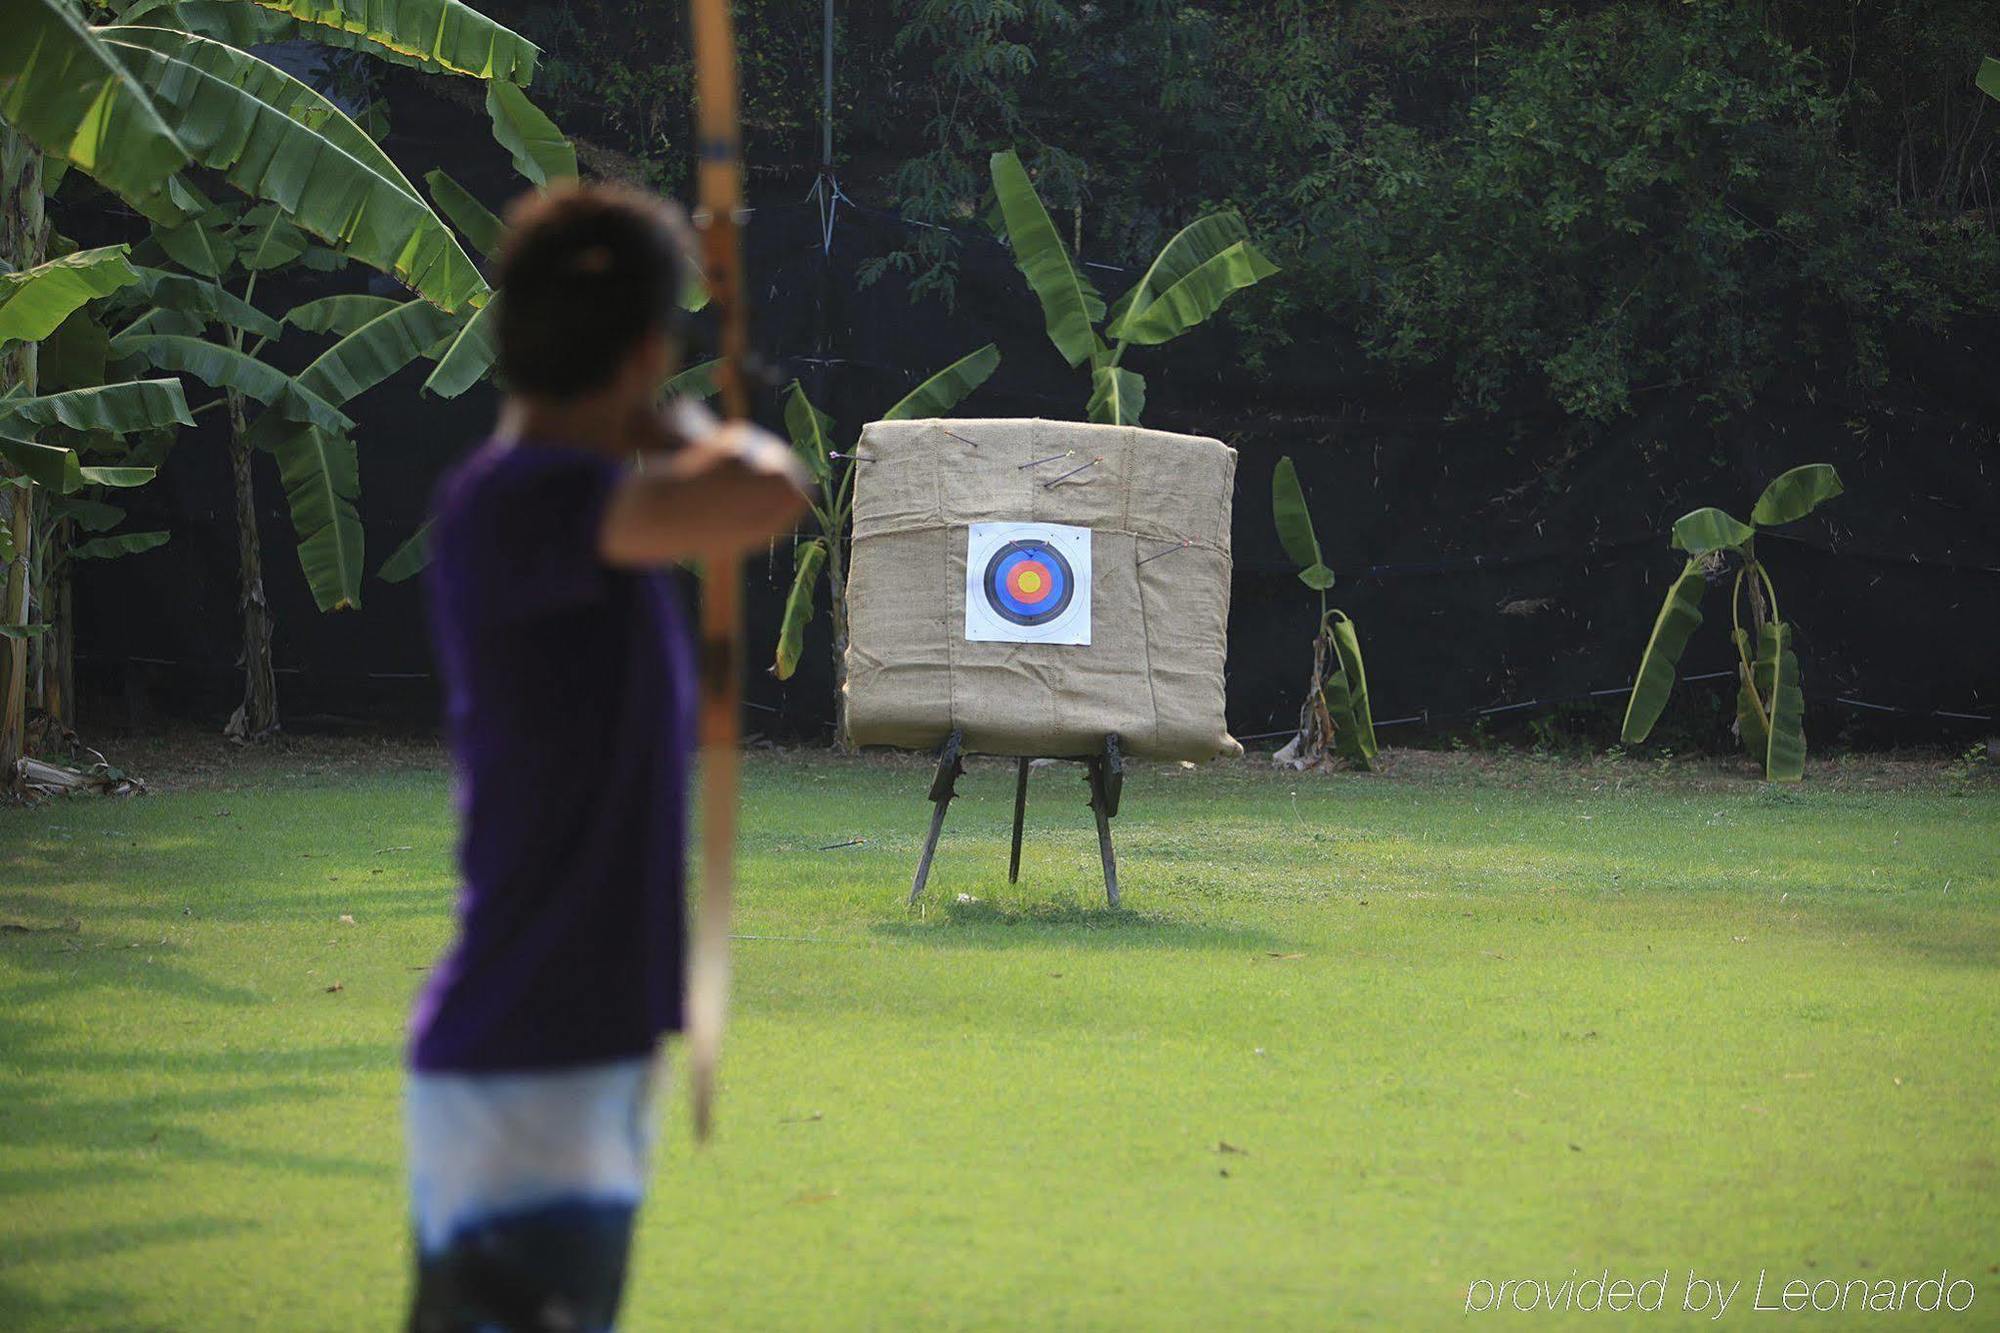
{"x":1031,"y":581}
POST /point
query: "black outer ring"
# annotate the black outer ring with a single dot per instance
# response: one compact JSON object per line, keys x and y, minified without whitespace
{"x":1043,"y":616}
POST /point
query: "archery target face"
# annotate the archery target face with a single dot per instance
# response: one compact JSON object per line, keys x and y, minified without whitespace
{"x":1027,"y":583}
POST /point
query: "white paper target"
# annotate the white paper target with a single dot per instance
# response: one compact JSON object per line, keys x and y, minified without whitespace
{"x":1027,"y":583}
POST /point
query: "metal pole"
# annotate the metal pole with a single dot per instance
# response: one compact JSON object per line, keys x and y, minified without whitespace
{"x":1020,"y":814}
{"x":826,"y":94}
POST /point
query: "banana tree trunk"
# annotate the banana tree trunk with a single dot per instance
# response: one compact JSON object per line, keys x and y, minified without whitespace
{"x":836,"y":578}
{"x":19,"y":517}
{"x":1315,"y":719}
{"x":23,"y":243}
{"x":257,"y":716}
{"x":56,"y":670}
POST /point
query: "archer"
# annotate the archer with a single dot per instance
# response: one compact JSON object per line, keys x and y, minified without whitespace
{"x":569,"y":672}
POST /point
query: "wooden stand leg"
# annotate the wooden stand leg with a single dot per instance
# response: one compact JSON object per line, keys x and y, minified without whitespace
{"x":944,"y":786}
{"x":1106,"y":774}
{"x":1109,"y":857}
{"x":1020,"y":814}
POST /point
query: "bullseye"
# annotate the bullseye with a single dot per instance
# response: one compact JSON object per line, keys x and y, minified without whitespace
{"x":1028,"y":583}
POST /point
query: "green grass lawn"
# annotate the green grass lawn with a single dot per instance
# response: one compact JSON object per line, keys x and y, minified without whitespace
{"x":1353,"y":1043}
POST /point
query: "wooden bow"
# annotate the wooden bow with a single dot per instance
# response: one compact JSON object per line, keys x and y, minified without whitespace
{"x":719,"y":194}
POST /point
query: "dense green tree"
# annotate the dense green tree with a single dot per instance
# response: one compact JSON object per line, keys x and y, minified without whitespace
{"x":1705,"y":192}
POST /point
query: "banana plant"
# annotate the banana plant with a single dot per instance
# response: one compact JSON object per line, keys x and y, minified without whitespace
{"x":1188,"y":281}
{"x":173,"y":86}
{"x":1770,"y":701}
{"x":81,"y":524}
{"x":1989,"y":77}
{"x":1335,"y":716}
{"x":833,"y":473}
{"x":46,"y":436}
{"x":192,"y":323}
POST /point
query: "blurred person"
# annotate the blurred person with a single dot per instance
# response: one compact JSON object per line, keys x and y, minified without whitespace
{"x":568,"y":662}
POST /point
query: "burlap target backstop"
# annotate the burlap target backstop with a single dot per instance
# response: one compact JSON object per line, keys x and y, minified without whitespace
{"x":1048,"y":662}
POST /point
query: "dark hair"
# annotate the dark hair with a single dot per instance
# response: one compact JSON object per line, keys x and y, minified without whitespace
{"x":585,"y":273}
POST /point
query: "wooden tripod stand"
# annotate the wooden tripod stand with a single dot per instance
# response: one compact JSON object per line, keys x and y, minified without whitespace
{"x":1104,"y":771}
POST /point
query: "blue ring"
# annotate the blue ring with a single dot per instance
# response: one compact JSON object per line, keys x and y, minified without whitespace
{"x":1004,"y":603}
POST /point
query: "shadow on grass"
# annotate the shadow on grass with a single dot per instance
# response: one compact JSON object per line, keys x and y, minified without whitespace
{"x":155,"y":1117}
{"x":154,"y":1121}
{"x":1935,"y":932}
{"x":985,"y":924}
{"x":94,"y":1307}
{"x":86,"y":961}
{"x":89,"y":1142}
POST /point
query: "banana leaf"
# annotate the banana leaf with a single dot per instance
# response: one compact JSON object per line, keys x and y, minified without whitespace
{"x":338,"y":314}
{"x":61,"y":470}
{"x":1295,"y":527}
{"x":226,"y":368}
{"x":35,"y":301}
{"x":89,"y":515}
{"x":214,"y":303}
{"x":1197,"y":296}
{"x":807,"y":562}
{"x":469,"y":357}
{"x":1679,"y":616}
{"x":200,"y":244}
{"x":1989,"y":77}
{"x":471,"y":217}
{"x":1785,"y":755}
{"x":322,"y":476}
{"x":1117,"y":396}
{"x":271,"y":241}
{"x":124,"y":543}
{"x":320,"y":259}
{"x":1354,"y":723}
{"x":1753,"y":693}
{"x":74,"y":356}
{"x":538,"y":148}
{"x":399,"y":32}
{"x":49,"y":466}
{"x":276,"y":139}
{"x":71,"y":98}
{"x":154,"y":320}
{"x":376,"y":350}
{"x":694,"y":291}
{"x":1706,"y":530}
{"x":320,"y":470}
{"x":118,"y":408}
{"x":811,"y":431}
{"x":408,"y":559}
{"x":1191,"y":247}
{"x":1794,"y":494}
{"x":696,"y":381}
{"x":1070,"y":305}
{"x":945,"y":390}
{"x":439,"y":34}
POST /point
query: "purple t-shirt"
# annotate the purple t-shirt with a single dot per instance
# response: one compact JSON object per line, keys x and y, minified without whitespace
{"x":569,"y":692}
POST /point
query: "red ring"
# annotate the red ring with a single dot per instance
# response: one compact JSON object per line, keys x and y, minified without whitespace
{"x":1022,"y":595}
